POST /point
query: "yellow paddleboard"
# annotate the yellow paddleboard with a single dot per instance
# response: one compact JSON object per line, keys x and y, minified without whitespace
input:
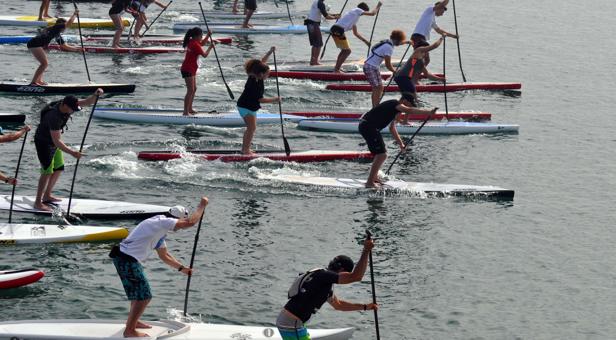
{"x":85,"y":22}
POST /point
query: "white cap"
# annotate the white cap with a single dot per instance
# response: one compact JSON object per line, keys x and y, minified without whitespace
{"x":178,"y":212}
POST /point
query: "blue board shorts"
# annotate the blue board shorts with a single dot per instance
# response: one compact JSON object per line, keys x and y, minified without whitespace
{"x":245,"y":112}
{"x":294,"y":334}
{"x":133,"y":278}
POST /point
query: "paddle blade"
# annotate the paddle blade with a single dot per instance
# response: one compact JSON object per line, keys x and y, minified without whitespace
{"x":287,"y":148}
{"x":229,"y":91}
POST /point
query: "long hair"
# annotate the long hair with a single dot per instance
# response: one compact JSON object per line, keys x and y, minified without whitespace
{"x":255,"y":67}
{"x":191,"y":34}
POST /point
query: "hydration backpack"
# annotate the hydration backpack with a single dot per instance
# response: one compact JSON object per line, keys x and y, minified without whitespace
{"x":297,"y":286}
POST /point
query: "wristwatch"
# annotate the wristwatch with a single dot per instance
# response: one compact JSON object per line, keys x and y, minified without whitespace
{"x":180,"y":269}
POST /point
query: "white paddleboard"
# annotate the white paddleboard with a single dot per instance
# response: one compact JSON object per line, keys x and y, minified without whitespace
{"x":175,"y":117}
{"x":417,"y":188}
{"x":87,"y":207}
{"x":49,"y":233}
{"x":256,"y":15}
{"x":91,"y":329}
{"x":257,"y":29}
{"x":431,"y":128}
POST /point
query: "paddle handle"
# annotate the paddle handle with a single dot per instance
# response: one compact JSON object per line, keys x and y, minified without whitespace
{"x":222,"y":75}
{"x":192,"y":261}
{"x":455,"y":20}
{"x":21,"y":152}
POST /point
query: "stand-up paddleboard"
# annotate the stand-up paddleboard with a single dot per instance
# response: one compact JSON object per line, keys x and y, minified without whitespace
{"x":162,"y":39}
{"x":87,"y":207}
{"x":18,"y":278}
{"x":275,"y":155}
{"x":51,"y":233}
{"x":59,"y":88}
{"x":431,"y":128}
{"x":436,"y":87}
{"x":91,"y":329}
{"x":326,"y":75}
{"x":9,"y":117}
{"x":7,"y":20}
{"x":469,"y":116}
{"x":397,"y":186}
{"x":257,"y":29}
{"x":124,"y":50}
{"x":175,"y":117}
{"x":255,"y":15}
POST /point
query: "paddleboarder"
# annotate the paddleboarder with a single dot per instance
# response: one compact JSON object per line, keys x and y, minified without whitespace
{"x":193,"y":42}
{"x":9,"y":138}
{"x":129,"y":256}
{"x":250,"y":101}
{"x":44,"y":10}
{"x":115,"y":13}
{"x":313,"y":25}
{"x":137,"y":8}
{"x":408,"y":75}
{"x":427,"y":22}
{"x":372,"y":122}
{"x":49,"y":145}
{"x":380,"y":52}
{"x":250,"y":6}
{"x":347,"y":23}
{"x":38,"y":44}
{"x":312,"y":289}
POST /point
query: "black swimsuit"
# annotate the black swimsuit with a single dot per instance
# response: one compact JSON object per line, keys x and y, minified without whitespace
{"x":45,"y":37}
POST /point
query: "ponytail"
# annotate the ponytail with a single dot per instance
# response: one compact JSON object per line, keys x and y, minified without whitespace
{"x":191,"y":34}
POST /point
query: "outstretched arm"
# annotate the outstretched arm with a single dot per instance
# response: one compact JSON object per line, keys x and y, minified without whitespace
{"x":431,"y":76}
{"x":268,"y":54}
{"x":346,"y":306}
{"x":359,"y":36}
{"x":194,"y":217}
{"x":358,"y":272}
{"x":14,"y":136}
{"x":443,"y":32}
{"x":171,"y":261}
{"x":72,"y":18}
{"x":91,"y":99}
{"x":374,"y":11}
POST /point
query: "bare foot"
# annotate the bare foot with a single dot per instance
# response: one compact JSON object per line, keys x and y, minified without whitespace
{"x":41,"y":206}
{"x":193,"y":112}
{"x":116,"y":46}
{"x":51,"y":199}
{"x":314,"y":63}
{"x":135,"y":334}
{"x":249,"y":152}
{"x":141,"y":324}
{"x":373,"y":185}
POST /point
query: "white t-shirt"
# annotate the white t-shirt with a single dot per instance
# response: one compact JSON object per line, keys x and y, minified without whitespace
{"x":376,"y":54}
{"x":350,"y":19}
{"x":148,"y":236}
{"x":426,"y":23}
{"x":316,"y":11}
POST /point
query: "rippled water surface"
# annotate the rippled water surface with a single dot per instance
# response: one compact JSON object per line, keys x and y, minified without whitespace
{"x":540,"y":267}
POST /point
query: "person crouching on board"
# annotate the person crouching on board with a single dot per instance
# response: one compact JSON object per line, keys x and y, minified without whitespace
{"x":49,"y":145}
{"x":250,"y":101}
{"x":138,"y":8}
{"x":115,"y":13}
{"x":129,"y":255}
{"x":38,"y":44}
{"x":9,"y":138}
{"x":375,"y":120}
{"x":250,"y":6}
{"x":193,"y":40}
{"x":313,"y":25}
{"x":347,"y":23}
{"x":312,"y":289}
{"x":380,"y":52}
{"x":427,"y":22}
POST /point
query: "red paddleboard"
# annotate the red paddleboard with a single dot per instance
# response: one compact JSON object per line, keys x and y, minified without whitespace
{"x":326,"y":75}
{"x":431,"y":87}
{"x":275,"y":155}
{"x":171,"y":40}
{"x":126,"y":50}
{"x":18,"y":278}
{"x":474,"y":116}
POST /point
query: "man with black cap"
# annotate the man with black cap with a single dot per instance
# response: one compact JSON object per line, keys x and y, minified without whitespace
{"x":147,"y":237}
{"x":312,"y":289}
{"x":9,"y":138}
{"x":49,"y":144}
{"x":375,"y":120}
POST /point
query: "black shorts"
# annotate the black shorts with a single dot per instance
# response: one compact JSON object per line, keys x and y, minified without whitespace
{"x":336,"y":30}
{"x":373,"y":137}
{"x":186,"y":74}
{"x":314,"y":33}
{"x":405,"y":84}
{"x":416,"y":37}
{"x":250,"y":4}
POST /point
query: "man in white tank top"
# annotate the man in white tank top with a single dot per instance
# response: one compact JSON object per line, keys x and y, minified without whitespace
{"x":427,"y":22}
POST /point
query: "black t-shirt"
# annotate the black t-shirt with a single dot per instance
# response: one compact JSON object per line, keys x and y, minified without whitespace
{"x":253,"y":91}
{"x":317,"y":290}
{"x":51,"y":120}
{"x":382,"y":115}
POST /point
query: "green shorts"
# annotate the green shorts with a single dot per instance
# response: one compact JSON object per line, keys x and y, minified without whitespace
{"x":56,"y":164}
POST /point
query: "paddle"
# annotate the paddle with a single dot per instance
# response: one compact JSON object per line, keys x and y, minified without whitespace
{"x":287,"y":148}
{"x":289,"y":11}
{"x":376,"y":315}
{"x":329,"y":35}
{"x":445,"y":79}
{"x":455,"y":20}
{"x":83,"y":51}
{"x":21,"y":152}
{"x":153,"y":21}
{"x":222,"y":75}
{"x":372,"y":33}
{"x":192,"y":261}
{"x":83,"y":140}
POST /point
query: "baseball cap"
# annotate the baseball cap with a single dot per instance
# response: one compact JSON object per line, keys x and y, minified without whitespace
{"x":178,"y":211}
{"x":72,"y":102}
